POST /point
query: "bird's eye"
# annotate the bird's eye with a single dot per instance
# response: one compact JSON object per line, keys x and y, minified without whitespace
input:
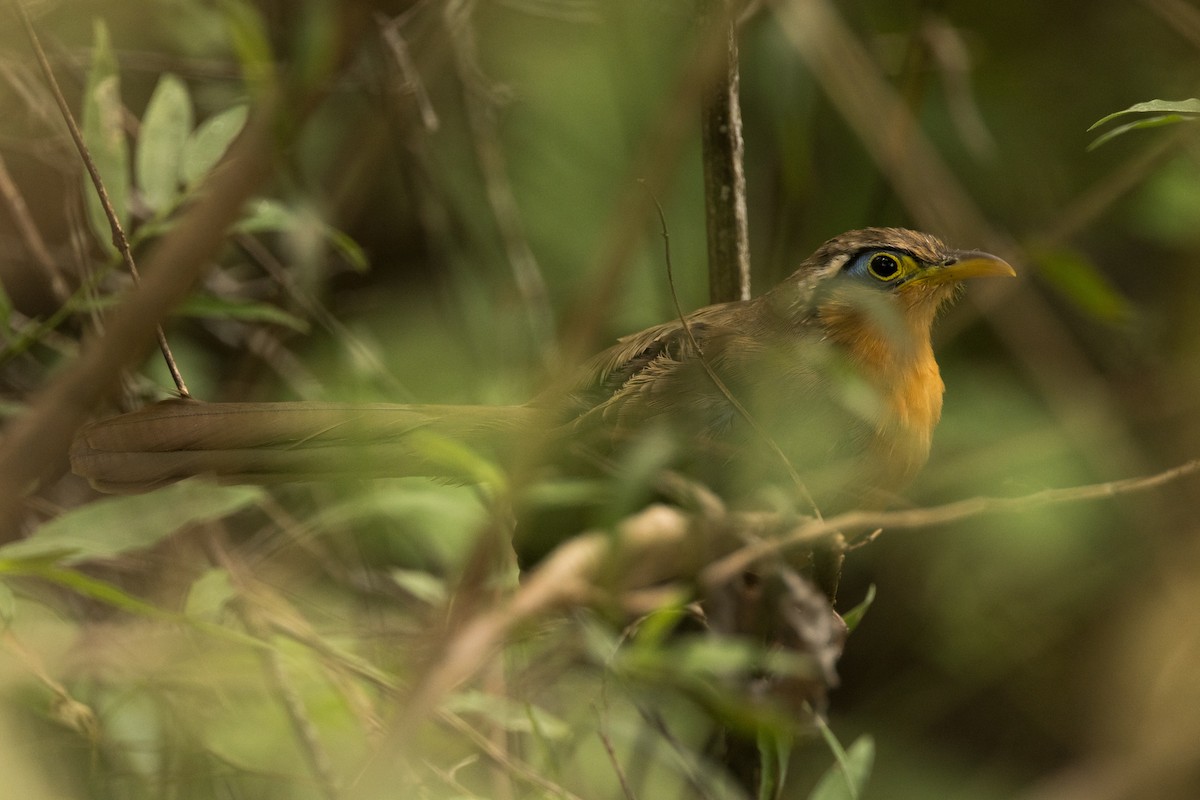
{"x":883,"y":266}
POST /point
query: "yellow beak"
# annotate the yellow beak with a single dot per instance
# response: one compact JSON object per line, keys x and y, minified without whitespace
{"x":968,"y":264}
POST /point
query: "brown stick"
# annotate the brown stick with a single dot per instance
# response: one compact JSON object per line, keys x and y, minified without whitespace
{"x":724,"y":176}
{"x":864,"y":522}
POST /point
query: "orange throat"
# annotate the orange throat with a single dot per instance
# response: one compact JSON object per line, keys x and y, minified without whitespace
{"x":894,"y":353}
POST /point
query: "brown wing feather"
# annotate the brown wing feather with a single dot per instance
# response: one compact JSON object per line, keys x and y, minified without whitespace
{"x":776,"y":366}
{"x":648,"y":373}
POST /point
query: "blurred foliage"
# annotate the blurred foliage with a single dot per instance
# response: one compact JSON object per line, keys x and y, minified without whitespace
{"x":450,"y":200}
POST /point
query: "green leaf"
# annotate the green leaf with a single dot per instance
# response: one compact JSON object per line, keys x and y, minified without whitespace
{"x":774,"y":753}
{"x":135,"y":726}
{"x":657,"y":627}
{"x":271,"y":216}
{"x":1078,"y":279}
{"x":1168,"y":112}
{"x":459,"y":458}
{"x":1190,"y":106}
{"x":263,"y":215}
{"x":104,"y":135}
{"x":209,"y":594}
{"x":84,"y":585}
{"x":847,"y":779}
{"x":209,"y":307}
{"x":166,"y":126}
{"x":711,"y":656}
{"x":1149,"y":122}
{"x":111,"y":526}
{"x":209,"y":142}
{"x":355,"y":256}
{"x":559,"y":492}
{"x":439,"y":522}
{"x":151,"y":229}
{"x":421,"y":585}
{"x":509,"y":714}
{"x":855,"y":615}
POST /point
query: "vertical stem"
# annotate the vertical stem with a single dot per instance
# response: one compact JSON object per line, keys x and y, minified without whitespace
{"x":724,"y":175}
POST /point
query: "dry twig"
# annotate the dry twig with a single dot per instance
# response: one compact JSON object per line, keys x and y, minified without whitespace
{"x":516,"y":768}
{"x":865,"y":522}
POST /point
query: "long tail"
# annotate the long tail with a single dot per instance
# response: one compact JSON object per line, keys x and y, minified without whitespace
{"x":270,"y":442}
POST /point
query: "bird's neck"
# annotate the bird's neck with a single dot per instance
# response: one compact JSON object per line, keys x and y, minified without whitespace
{"x":894,"y":351}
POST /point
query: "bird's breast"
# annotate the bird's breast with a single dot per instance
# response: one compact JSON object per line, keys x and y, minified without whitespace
{"x":898,"y":362}
{"x":912,"y":407}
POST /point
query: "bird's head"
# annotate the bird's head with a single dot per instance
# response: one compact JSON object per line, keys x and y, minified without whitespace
{"x":871,"y":296}
{"x":884,"y":272}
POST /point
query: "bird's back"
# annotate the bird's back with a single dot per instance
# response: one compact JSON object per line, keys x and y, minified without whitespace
{"x":747,"y":400}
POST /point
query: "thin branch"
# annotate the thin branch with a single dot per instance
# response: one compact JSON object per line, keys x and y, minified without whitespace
{"x":120,"y":241}
{"x":601,"y":731}
{"x":726,"y":219}
{"x":865,"y":522}
{"x":517,"y":768}
{"x":412,"y":83}
{"x":687,"y":760}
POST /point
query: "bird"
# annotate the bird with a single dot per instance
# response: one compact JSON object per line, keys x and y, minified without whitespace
{"x":826,"y":385}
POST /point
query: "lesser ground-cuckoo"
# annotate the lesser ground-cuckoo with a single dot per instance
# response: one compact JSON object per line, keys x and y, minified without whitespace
{"x":832,"y":371}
